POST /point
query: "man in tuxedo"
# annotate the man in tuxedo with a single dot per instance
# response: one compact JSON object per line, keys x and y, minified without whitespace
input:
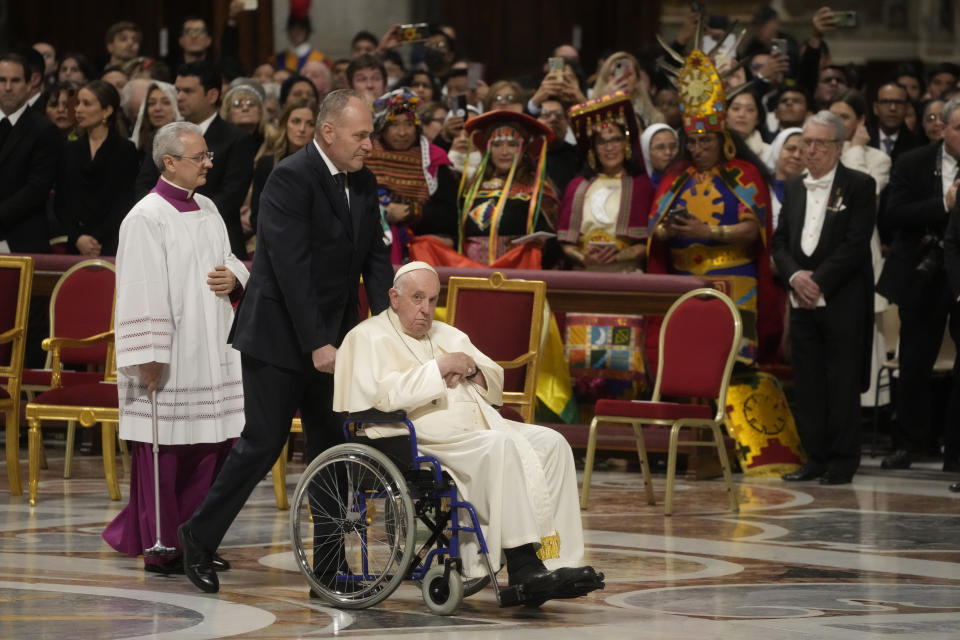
{"x":198,"y":97}
{"x":29,"y":152}
{"x":890,"y":134}
{"x":923,"y":189}
{"x":951,"y":255}
{"x":318,"y":231}
{"x":822,"y":248}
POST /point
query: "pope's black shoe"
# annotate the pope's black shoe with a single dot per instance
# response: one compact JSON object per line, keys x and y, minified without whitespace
{"x":806,"y":472}
{"x":219,"y":564}
{"x":578,"y":581}
{"x":899,"y":459}
{"x":955,"y":487}
{"x":197,"y":562}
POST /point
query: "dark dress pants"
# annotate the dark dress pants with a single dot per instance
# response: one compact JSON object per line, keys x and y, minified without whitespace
{"x":827,"y":345}
{"x":271,"y":397}
{"x":951,"y":431}
{"x":923,"y":316}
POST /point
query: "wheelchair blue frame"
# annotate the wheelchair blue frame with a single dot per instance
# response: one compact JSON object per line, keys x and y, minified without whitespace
{"x":452,"y":550}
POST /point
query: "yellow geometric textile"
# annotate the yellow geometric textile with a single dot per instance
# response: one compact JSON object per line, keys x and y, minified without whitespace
{"x":759,"y":419}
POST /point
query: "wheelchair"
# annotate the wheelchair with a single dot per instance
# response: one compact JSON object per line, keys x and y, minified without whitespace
{"x":373,"y":513}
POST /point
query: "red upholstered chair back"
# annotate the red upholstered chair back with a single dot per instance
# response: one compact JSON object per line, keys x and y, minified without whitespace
{"x":504,"y":319}
{"x":16,"y":277}
{"x":698,"y":343}
{"x":81,"y":306}
{"x":363,"y":304}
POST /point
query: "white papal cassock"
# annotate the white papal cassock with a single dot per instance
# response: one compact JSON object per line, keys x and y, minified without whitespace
{"x":166,"y":312}
{"x":520,"y":478}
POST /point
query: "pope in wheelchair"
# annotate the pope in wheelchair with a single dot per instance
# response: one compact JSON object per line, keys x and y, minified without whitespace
{"x":428,"y":444}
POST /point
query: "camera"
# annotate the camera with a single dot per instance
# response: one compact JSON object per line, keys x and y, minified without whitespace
{"x":931,"y":246}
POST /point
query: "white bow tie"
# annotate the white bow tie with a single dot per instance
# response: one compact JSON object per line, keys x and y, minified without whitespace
{"x":817,"y":183}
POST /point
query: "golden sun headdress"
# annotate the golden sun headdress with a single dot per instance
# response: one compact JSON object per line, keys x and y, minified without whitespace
{"x":703,"y":100}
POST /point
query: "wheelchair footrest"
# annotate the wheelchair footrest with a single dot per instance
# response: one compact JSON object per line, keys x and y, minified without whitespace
{"x":511,"y":597}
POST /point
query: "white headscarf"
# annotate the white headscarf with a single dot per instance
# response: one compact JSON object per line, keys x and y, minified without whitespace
{"x":647,"y":137}
{"x":773,"y":153}
{"x":171,"y":92}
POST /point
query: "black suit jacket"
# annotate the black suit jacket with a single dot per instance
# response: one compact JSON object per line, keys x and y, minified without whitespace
{"x":311,"y":252}
{"x":951,"y":252}
{"x":913,"y":209}
{"x":841,"y":261}
{"x":906,"y":141}
{"x":228,"y":180}
{"x":28,"y":169}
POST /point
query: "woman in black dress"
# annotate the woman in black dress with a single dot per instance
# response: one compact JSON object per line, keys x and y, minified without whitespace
{"x":97,"y":170}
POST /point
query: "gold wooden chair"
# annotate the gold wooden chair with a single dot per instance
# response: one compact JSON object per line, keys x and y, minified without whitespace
{"x":699,"y":339}
{"x":504,"y":319}
{"x":16,"y":279}
{"x":81,"y":305}
{"x":86,"y":403}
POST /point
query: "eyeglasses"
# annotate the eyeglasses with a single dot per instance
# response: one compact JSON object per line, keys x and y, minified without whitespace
{"x":199,"y":158}
{"x":931,"y":117}
{"x":891,"y":102}
{"x":195,"y":31}
{"x":505,"y":98}
{"x":610,"y":142}
{"x":249,"y":102}
{"x":548,"y":115}
{"x":819,"y":143}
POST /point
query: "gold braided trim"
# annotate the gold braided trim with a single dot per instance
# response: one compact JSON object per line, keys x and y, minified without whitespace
{"x":699,"y":259}
{"x":549,"y":546}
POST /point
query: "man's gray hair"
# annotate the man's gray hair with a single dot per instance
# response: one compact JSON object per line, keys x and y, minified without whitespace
{"x":169,"y":140}
{"x":830,"y":120}
{"x":334,"y":104}
{"x":952,"y":105}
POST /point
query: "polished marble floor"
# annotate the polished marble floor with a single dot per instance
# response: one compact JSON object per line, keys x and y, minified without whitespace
{"x":876,"y":559}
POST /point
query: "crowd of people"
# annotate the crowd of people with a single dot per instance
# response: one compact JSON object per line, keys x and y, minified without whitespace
{"x":758,"y":165}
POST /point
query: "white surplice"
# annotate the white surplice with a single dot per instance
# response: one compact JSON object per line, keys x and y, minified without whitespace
{"x":166,"y":312}
{"x":520,"y":478}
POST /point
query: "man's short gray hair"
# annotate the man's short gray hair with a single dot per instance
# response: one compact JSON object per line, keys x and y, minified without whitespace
{"x":334,"y":104}
{"x":951,"y":105}
{"x":830,"y":120}
{"x":169,"y":140}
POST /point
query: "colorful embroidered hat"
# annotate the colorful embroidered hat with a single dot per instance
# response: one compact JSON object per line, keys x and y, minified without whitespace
{"x":589,"y":117}
{"x":400,"y":101}
{"x":490,"y":125}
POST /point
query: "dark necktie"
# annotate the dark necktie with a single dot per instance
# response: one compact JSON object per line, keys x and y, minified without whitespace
{"x":341,"y":180}
{"x":888,"y":146}
{"x":5,"y":128}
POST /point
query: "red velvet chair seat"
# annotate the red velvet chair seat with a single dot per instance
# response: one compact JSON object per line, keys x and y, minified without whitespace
{"x":3,"y":394}
{"x":100,"y":394}
{"x":41,"y":377}
{"x":653,"y":410}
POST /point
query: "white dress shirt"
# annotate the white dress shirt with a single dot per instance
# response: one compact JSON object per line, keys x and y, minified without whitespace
{"x":206,"y":124}
{"x":13,"y":117}
{"x":818,"y":194}
{"x":948,"y":173}
{"x":334,"y":171}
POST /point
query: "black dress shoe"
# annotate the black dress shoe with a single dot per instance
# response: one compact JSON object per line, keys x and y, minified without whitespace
{"x":806,"y":472}
{"x":832,"y":477}
{"x":197,"y":562}
{"x":578,"y":581}
{"x":955,"y":487}
{"x":219,"y":563}
{"x":174,"y":567}
{"x":899,"y":459}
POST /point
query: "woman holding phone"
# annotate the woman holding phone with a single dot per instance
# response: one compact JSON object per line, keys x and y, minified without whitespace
{"x":622,"y":72}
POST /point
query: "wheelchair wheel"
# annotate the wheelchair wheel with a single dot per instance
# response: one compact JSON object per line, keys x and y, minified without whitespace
{"x":353,"y":510}
{"x":442,"y":597}
{"x":472,"y":586}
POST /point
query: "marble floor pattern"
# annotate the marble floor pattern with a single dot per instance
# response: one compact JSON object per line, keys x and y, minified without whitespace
{"x":876,"y":559}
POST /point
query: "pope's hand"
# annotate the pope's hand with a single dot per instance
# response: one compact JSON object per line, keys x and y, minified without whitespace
{"x":325,"y":358}
{"x":457,"y":363}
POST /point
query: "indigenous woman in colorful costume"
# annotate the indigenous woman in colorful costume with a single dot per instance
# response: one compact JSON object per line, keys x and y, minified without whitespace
{"x":418,"y":191}
{"x":712,"y":218}
{"x":508,"y":198}
{"x":603,"y":227}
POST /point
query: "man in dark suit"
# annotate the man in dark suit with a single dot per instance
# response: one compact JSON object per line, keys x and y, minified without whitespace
{"x":951,"y":256}
{"x":198,"y":96}
{"x":318,"y":231}
{"x":890,"y":134}
{"x":29,"y":152}
{"x":923,"y":189}
{"x":822,"y":248}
